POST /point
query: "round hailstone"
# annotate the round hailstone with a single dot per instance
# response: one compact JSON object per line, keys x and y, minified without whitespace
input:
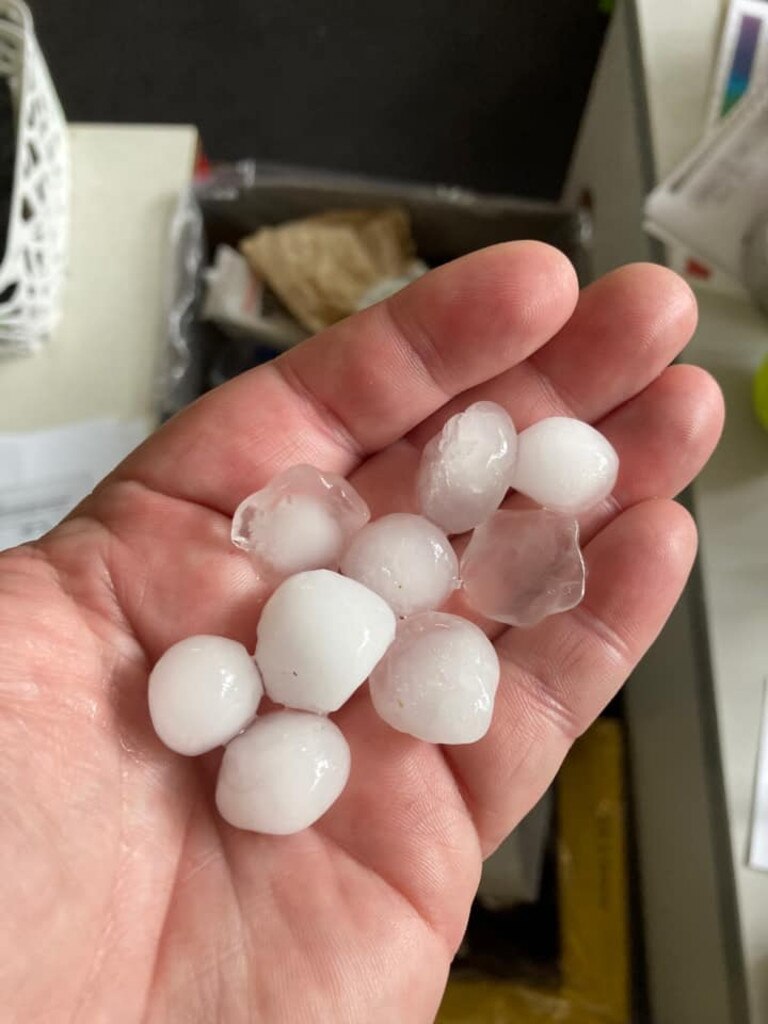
{"x":202,"y":692}
{"x":319,"y":636}
{"x":283,"y":773}
{"x":301,"y":520}
{"x":565,"y":465}
{"x":438,"y":680}
{"x":464,"y":472}
{"x":406,"y":560}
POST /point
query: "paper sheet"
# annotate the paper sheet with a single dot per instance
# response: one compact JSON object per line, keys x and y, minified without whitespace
{"x":704,"y":208}
{"x":45,"y":473}
{"x":711,"y":201}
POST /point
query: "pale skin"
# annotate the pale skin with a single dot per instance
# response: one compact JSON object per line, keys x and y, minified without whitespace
{"x":124,"y":897}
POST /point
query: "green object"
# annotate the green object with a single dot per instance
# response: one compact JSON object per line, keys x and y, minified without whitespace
{"x":760,"y":393}
{"x":606,"y":6}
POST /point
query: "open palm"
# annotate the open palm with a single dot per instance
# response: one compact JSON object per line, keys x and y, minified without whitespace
{"x":124,"y":896}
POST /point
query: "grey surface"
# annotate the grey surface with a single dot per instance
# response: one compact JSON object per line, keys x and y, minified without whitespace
{"x":446,"y":223}
{"x":485,"y":94}
{"x":693,"y":953}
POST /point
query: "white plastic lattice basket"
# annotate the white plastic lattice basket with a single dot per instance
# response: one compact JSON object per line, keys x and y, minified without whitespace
{"x":32,"y":267}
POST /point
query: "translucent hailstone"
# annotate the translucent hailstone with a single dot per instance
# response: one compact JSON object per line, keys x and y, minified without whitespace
{"x":301,"y":520}
{"x":319,"y":636}
{"x":465,"y":469}
{"x":520,"y":567}
{"x":565,"y":465}
{"x":438,"y":680}
{"x":202,"y":692}
{"x":406,"y":560}
{"x":283,"y":773}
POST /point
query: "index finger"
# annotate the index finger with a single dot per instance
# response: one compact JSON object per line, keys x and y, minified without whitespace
{"x":365,"y":382}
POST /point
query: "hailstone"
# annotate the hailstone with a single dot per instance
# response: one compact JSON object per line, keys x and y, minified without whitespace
{"x":521,"y":566}
{"x":565,"y":465}
{"x":319,"y":636}
{"x":301,"y":520}
{"x":202,"y":692}
{"x":438,"y":680}
{"x":406,"y":560}
{"x":465,"y":470}
{"x":283,"y":773}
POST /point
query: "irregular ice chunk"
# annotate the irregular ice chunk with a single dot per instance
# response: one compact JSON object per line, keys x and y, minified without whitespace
{"x":406,"y":560}
{"x":319,"y":636}
{"x":520,"y":567}
{"x":301,"y":520}
{"x":564,"y":464}
{"x":283,"y":773}
{"x":202,"y":692}
{"x":465,"y":469}
{"x":438,"y":680}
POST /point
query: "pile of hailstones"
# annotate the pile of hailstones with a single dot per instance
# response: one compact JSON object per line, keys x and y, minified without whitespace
{"x":357,"y":600}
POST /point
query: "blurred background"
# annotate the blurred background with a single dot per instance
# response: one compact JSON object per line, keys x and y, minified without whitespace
{"x":488,"y":97}
{"x":166,"y":198}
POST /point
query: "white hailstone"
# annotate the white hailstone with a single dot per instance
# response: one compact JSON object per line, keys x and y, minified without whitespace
{"x":565,"y":465}
{"x":301,"y":520}
{"x":465,"y":470}
{"x":319,"y":636}
{"x":202,"y":692}
{"x":438,"y":680}
{"x":406,"y":560}
{"x":283,"y":773}
{"x":521,"y":566}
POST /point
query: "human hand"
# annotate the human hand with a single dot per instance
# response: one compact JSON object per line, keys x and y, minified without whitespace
{"x":124,"y":895}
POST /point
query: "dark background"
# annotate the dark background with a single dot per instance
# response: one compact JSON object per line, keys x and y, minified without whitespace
{"x":481,"y":93}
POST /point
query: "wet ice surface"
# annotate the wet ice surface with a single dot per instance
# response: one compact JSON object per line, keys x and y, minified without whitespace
{"x":319,"y":636}
{"x":465,"y":470}
{"x":521,"y":566}
{"x":202,"y":692}
{"x":283,"y":773}
{"x":322,"y":634}
{"x":406,"y":560}
{"x":438,"y":680}
{"x":564,"y":464}
{"x":301,"y":520}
